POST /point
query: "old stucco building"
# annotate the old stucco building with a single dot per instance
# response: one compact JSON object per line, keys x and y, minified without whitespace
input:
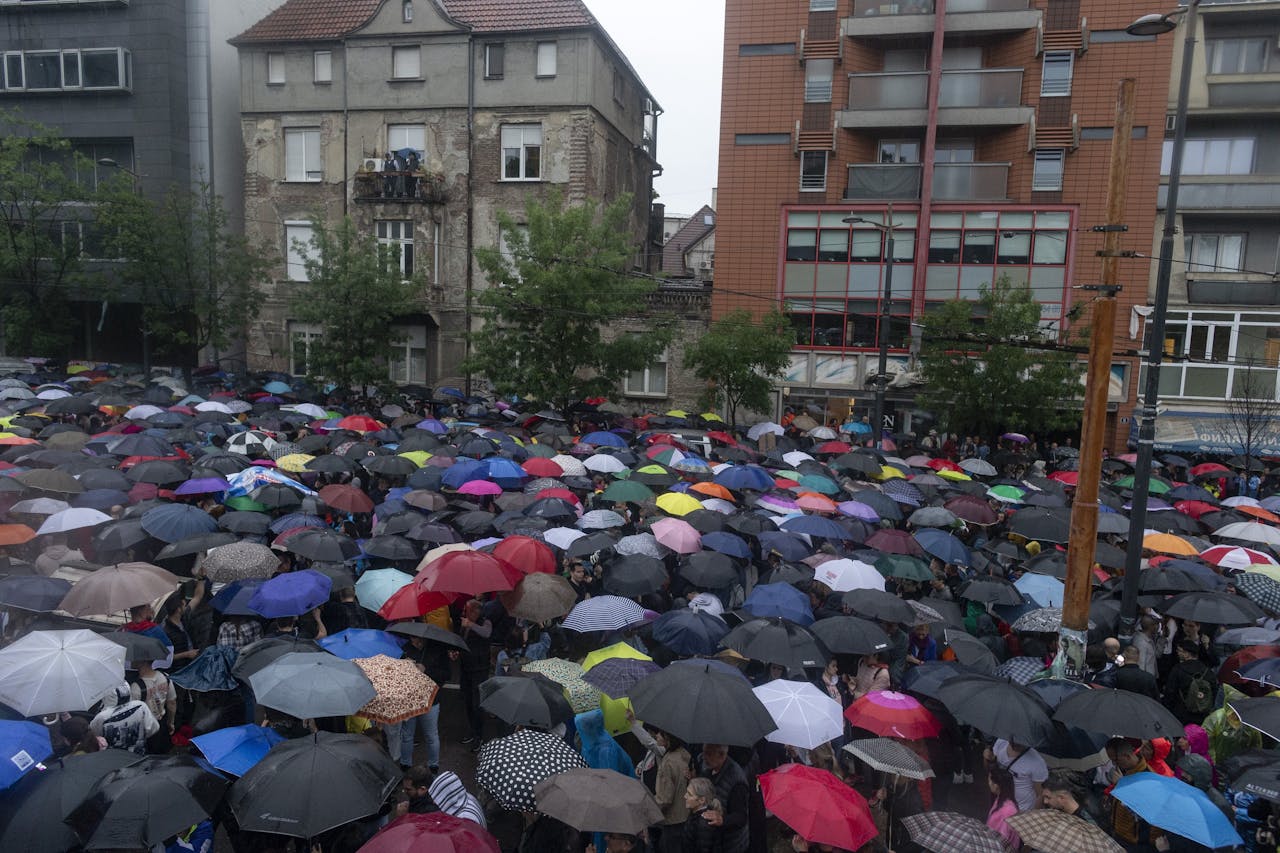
{"x":497,"y":100}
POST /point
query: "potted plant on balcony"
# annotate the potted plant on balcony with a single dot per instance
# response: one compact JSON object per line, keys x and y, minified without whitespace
{"x":430,"y":185}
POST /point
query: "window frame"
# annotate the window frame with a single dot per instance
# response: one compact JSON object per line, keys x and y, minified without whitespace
{"x":524,"y":147}
{"x":1200,"y":148}
{"x":1220,"y":238}
{"x":304,"y":173}
{"x":897,"y":145}
{"x":648,"y":373}
{"x":1039,"y":182}
{"x":402,"y":241}
{"x":295,"y":266}
{"x":809,"y":177}
{"x":817,"y":88}
{"x":124,"y":69}
{"x":1057,"y":88}
{"x":275,"y":68}
{"x":402,"y":51}
{"x":1213,"y":56}
{"x":495,"y":53}
{"x":296,"y":330}
{"x":540,"y":52}
{"x":316,"y":62}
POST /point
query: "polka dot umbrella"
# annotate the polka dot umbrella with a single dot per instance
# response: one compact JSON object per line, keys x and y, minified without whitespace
{"x":510,"y":767}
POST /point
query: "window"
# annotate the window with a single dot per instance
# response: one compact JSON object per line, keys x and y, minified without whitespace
{"x":322,"y":65}
{"x":813,"y":171}
{"x":822,"y":5}
{"x":546,"y":59}
{"x":494,"y":54}
{"x":436,"y":258}
{"x":521,"y":152}
{"x":397,"y":235}
{"x":406,"y":11}
{"x":13,"y":78}
{"x":302,"y":155}
{"x":953,"y":151}
{"x":771,"y":49}
{"x":406,"y":62}
{"x":504,"y":243}
{"x":111,"y":68}
{"x":649,"y":381}
{"x":817,"y":80}
{"x":43,"y":69}
{"x":71,"y":69}
{"x":53,"y":70}
{"x":300,"y":247}
{"x":1215,"y":252}
{"x":412,"y":136}
{"x":302,"y":337}
{"x":899,"y":151}
{"x":762,"y":139}
{"x":1211,"y":157}
{"x":275,"y":69}
{"x":408,"y":359}
{"x":619,"y":86}
{"x":1056,"y":79}
{"x":1239,"y":55}
{"x":1048,"y":169}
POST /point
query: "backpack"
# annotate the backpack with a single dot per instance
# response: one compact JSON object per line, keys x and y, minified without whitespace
{"x":1198,"y":695}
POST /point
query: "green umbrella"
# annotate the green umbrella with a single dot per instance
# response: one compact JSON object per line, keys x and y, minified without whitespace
{"x":245,"y":504}
{"x":904,"y":567}
{"x":818,"y":483}
{"x":1008,"y":494}
{"x":582,"y":696}
{"x":1156,"y":486}
{"x":627,"y":491}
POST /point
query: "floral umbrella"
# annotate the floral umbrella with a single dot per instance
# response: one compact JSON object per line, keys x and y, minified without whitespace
{"x":403,"y":691}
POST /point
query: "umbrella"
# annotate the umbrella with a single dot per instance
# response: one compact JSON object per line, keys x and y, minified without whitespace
{"x":776,"y":640}
{"x":806,"y":716}
{"x":75,"y":518}
{"x":307,"y":685}
{"x":1262,"y":714}
{"x":1176,"y":807}
{"x":1020,"y":670}
{"x":240,"y":560}
{"x":597,"y":801}
{"x":291,"y":594}
{"x":306,"y":786}
{"x":377,"y":585}
{"x":677,"y":535}
{"x":112,"y":589}
{"x":691,"y":632}
{"x":990,"y":590}
{"x":890,"y":756}
{"x":32,"y":811}
{"x":509,"y":767}
{"x":143,"y":804}
{"x":888,"y":713}
{"x":33,"y":592}
{"x":434,"y":832}
{"x":1118,"y":713}
{"x":634,"y":574}
{"x":1214,"y":608}
{"x":138,"y":646}
{"x":233,"y":599}
{"x":997,"y":708}
{"x":971,"y":651}
{"x":173,"y":522}
{"x":569,"y":675}
{"x":849,"y":635}
{"x":881,"y":606}
{"x":468,"y":572}
{"x":779,"y":599}
{"x":236,"y":749}
{"x":525,"y":700}
{"x":709,"y":570}
{"x":1259,"y":589}
{"x":258,"y":654}
{"x":22,"y":745}
{"x":428,"y":632}
{"x":403,"y":690}
{"x":701,"y":704}
{"x":209,"y":671}
{"x":355,"y":643}
{"x":615,"y":676}
{"x":943,"y":832}
{"x":1053,"y":831}
{"x":1040,"y":621}
{"x":539,"y":598}
{"x":603,"y":613}
{"x":818,"y":806}
{"x":49,"y":672}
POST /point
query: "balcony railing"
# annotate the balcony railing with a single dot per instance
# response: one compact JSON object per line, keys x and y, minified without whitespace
{"x":959,"y":7}
{"x":888,"y":90}
{"x":876,"y":8}
{"x":970,"y":181}
{"x":884,"y":182}
{"x":981,"y":87}
{"x":402,"y":187}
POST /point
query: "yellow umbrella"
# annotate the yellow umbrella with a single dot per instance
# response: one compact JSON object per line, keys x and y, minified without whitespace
{"x":1270,"y":570}
{"x":888,"y":472}
{"x":73,"y":369}
{"x":417,"y":457}
{"x":615,"y":710}
{"x":711,"y":416}
{"x":295,"y":462}
{"x":948,"y":474}
{"x":677,"y":503}
{"x":1167,"y":543}
{"x":677,"y":413}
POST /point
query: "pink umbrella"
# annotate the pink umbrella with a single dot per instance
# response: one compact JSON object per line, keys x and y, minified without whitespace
{"x":676,"y":534}
{"x":816,"y":503}
{"x":892,"y":714}
{"x":479,"y":487}
{"x":1233,"y":557}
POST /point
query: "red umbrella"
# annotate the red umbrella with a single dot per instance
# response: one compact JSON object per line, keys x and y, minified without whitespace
{"x":1195,"y":509}
{"x":725,"y":438}
{"x":346,"y":498}
{"x":891,"y":714}
{"x":944,"y":465}
{"x":972,"y":509}
{"x":818,"y":806}
{"x":360,"y":423}
{"x":1209,"y":468}
{"x":889,"y":541}
{"x":1067,"y":478}
{"x":563,"y":494}
{"x":539,"y":466}
{"x":434,"y":832}
{"x":410,"y":602}
{"x":469,"y":572}
{"x":1227,"y":672}
{"x":833,"y":447}
{"x":526,"y":554}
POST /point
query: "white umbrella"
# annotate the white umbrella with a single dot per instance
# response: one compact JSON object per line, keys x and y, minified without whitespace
{"x":981,"y":467}
{"x":141,"y":413}
{"x":603,"y":463}
{"x":795,"y":457}
{"x":844,"y":575}
{"x":213,"y":406}
{"x":760,"y":429}
{"x":570,"y":466}
{"x":72,"y":519}
{"x":601,"y":519}
{"x":806,"y":716}
{"x":1241,"y":500}
{"x":562,"y":537}
{"x":53,"y":394}
{"x":1250,"y":531}
{"x":39,"y":506}
{"x":822,"y":433}
{"x":311,"y":410}
{"x":719,"y":505}
{"x":46,"y":672}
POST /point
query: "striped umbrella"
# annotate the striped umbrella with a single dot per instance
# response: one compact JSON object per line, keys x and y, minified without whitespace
{"x":603,"y":613}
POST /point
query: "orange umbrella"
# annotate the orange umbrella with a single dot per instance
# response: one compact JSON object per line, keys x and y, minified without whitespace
{"x":1259,"y":513}
{"x":1167,"y":543}
{"x":713,"y":490}
{"x":815,"y":502}
{"x":15,"y":534}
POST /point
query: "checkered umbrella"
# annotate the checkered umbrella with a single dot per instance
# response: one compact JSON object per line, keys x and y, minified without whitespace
{"x":615,"y":676}
{"x":890,"y":756}
{"x":1052,"y":831}
{"x":511,"y":766}
{"x":1260,"y":589}
{"x":1020,"y":670}
{"x":943,"y":832}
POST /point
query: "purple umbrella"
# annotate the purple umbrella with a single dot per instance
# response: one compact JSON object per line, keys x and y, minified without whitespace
{"x":291,"y":594}
{"x":859,"y":510}
{"x":203,"y":486}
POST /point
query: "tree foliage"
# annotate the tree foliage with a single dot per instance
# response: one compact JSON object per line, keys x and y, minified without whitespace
{"x":737,"y":358}
{"x":989,"y":366}
{"x":354,"y":291}
{"x":553,"y":299}
{"x":1252,"y":409}
{"x":198,"y":281}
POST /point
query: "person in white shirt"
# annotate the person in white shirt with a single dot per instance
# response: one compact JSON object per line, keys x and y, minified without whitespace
{"x":1027,"y":767}
{"x":127,"y":724}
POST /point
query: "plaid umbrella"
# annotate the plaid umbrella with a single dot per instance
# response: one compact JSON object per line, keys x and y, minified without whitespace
{"x":569,"y":675}
{"x":240,"y":560}
{"x":943,"y":832}
{"x":510,"y":767}
{"x":1260,"y":589}
{"x":890,"y":756}
{"x":1052,"y":831}
{"x":903,"y":492}
{"x":1020,"y":670}
{"x":615,"y":676}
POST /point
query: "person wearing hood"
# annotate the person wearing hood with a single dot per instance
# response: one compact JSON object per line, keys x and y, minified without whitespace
{"x":1195,"y":741}
{"x":1155,"y":751}
{"x":127,"y":724}
{"x":601,"y":751}
{"x":1196,"y":770}
{"x":453,"y":798}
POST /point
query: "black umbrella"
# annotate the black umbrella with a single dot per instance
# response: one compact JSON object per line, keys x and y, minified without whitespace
{"x":141,"y":805}
{"x":245,"y":523}
{"x":306,"y":786}
{"x":700,"y":703}
{"x":929,"y":676}
{"x":158,"y":472}
{"x":709,"y":570}
{"x":971,"y":651}
{"x":322,"y":545}
{"x":390,"y":547}
{"x":850,"y":635}
{"x":328,"y":463}
{"x":433,"y":532}
{"x":1170,"y":580}
{"x":1214,"y":608}
{"x":998,"y":708}
{"x":36,"y":593}
{"x":585,"y":546}
{"x":509,"y":767}
{"x":706,"y":520}
{"x":879,"y":605}
{"x":1118,"y":713}
{"x":138,"y":646}
{"x":1042,"y":524}
{"x":777,"y":640}
{"x":475,"y":523}
{"x":689,"y":632}
{"x":990,"y":590}
{"x":258,"y":654}
{"x":120,"y":535}
{"x":1262,"y":714}
{"x":634,"y":574}
{"x":427,"y":631}
{"x":196,"y":544}
{"x":32,"y":811}
{"x":525,"y":700}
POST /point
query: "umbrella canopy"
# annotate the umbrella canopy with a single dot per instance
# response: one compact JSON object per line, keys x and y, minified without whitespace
{"x":308,"y":785}
{"x":49,"y":672}
{"x":615,"y":676}
{"x":1054,"y":831}
{"x":850,"y":635}
{"x":881,"y":606}
{"x":540,"y":597}
{"x":307,"y":685}
{"x":597,"y":801}
{"x":434,"y":832}
{"x":1118,"y":713}
{"x":676,"y":534}
{"x":889,"y":713}
{"x":846,"y":575}
{"x":377,"y":585}
{"x":806,"y":716}
{"x":355,"y":643}
{"x":236,"y":749}
{"x":1262,"y":714}
{"x":525,"y":700}
{"x":890,"y":756}
{"x":291,"y":594}
{"x":22,"y":745}
{"x":428,"y":632}
{"x":634,"y":574}
{"x":776,"y":640}
{"x":468,"y":572}
{"x":781,"y":600}
{"x":1214,"y":608}
{"x":942,"y":832}
{"x":240,"y":560}
{"x":569,"y":675}
{"x":113,"y":589}
{"x":258,"y":654}
{"x":818,"y":806}
{"x":699,"y":703}
{"x":509,"y":767}
{"x":35,"y":593}
{"x":403,"y":690}
{"x":32,"y":811}
{"x":1176,"y":807}
{"x":688,"y":631}
{"x":603,"y":613}
{"x":174,"y":522}
{"x":997,"y":708}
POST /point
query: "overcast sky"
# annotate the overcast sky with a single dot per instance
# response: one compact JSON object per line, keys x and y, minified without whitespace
{"x":677,"y":46}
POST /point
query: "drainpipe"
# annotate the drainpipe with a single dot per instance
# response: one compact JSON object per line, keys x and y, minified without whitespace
{"x":346,"y":122}
{"x":471,"y":208}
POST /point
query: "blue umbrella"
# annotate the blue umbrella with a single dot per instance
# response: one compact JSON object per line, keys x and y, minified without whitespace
{"x":210,"y":671}
{"x":942,"y":545}
{"x":606,"y":439}
{"x":377,"y":585}
{"x":779,"y":599}
{"x":233,"y":599}
{"x":234,"y":750}
{"x":1044,"y":590}
{"x":790,"y":547}
{"x":296,"y":519}
{"x":432,"y":425}
{"x":100,"y":499}
{"x":22,"y":746}
{"x":448,"y":391}
{"x":745,"y":477}
{"x":1176,"y":807}
{"x":174,"y":522}
{"x":727,"y":543}
{"x":361,"y":643}
{"x":460,"y":472}
{"x":856,"y":428}
{"x":504,"y":472}
{"x":816,"y":525}
{"x":689,"y":632}
{"x":291,"y":594}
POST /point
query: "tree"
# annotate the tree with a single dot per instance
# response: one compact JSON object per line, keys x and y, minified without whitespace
{"x":45,"y":213}
{"x":1252,"y":410}
{"x":198,"y":281}
{"x":355,"y":289}
{"x":989,"y":366}
{"x":555,"y":295}
{"x":738,"y":357}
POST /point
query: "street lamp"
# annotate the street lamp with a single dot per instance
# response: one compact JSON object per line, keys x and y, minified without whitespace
{"x":881,"y":380}
{"x":1154,"y":25}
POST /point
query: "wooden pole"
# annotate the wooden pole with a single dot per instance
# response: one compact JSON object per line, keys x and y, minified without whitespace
{"x":1084,"y":511}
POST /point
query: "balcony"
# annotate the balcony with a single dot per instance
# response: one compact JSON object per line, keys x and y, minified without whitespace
{"x":1254,"y":193}
{"x":399,"y":188}
{"x":887,"y":99}
{"x":970,"y":181}
{"x":1219,"y":288}
{"x":990,"y":16}
{"x":877,"y":18}
{"x":883,"y":182}
{"x":979,"y":97}
{"x":1257,"y":92}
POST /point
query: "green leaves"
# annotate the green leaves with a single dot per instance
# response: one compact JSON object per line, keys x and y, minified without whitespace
{"x":738,"y":357}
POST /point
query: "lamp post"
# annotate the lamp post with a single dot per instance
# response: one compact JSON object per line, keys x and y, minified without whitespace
{"x":143,"y":328}
{"x":882,"y":328}
{"x":1153,"y":25}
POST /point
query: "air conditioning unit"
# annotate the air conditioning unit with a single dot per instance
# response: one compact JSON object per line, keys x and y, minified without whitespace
{"x":705,"y":265}
{"x":372,"y":164}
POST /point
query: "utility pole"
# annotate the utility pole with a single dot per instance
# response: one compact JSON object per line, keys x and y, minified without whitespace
{"x":1084,"y":509}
